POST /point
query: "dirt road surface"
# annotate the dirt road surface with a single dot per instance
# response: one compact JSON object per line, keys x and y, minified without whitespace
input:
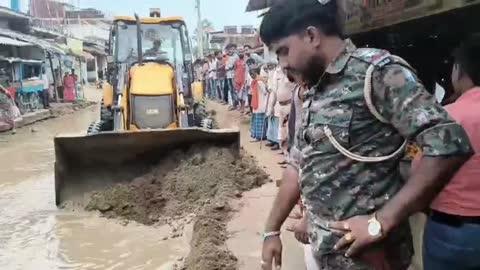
{"x":248,"y":224}
{"x":34,"y":234}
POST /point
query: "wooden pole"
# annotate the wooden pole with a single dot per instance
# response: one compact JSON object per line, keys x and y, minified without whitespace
{"x":60,"y":70}
{"x":55,"y":84}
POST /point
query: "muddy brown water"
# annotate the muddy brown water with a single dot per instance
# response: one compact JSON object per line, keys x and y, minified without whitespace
{"x":34,"y":234}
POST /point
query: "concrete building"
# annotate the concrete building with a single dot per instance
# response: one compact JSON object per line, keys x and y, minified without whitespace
{"x":48,"y":15}
{"x":243,"y":35}
{"x":87,"y":25}
{"x":23,"y":57}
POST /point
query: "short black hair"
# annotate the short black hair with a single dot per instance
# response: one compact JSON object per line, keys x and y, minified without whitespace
{"x":254,"y":71}
{"x":247,"y":46}
{"x":217,"y":53}
{"x":291,"y":16}
{"x":231,"y":45}
{"x":251,"y":62}
{"x":467,"y":56}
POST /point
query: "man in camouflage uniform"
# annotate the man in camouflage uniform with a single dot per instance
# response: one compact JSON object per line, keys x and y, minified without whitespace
{"x":357,"y":210}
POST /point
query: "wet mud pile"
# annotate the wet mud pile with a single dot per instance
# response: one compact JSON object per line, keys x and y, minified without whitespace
{"x":200,"y":181}
{"x":58,"y":111}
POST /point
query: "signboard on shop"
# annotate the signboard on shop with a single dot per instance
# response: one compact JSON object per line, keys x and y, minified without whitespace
{"x":75,"y":46}
{"x":366,"y":15}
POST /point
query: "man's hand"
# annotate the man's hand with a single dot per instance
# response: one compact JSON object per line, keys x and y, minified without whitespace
{"x":355,"y":236}
{"x":272,"y":253}
{"x":288,"y":195}
{"x":300,"y":229}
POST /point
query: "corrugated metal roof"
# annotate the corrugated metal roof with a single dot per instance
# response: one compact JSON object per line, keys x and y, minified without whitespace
{"x":94,"y":50}
{"x":32,"y":39}
{"x":9,"y":13}
{"x":18,"y":60}
{"x":13,"y":42}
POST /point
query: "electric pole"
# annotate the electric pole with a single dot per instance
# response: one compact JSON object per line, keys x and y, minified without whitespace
{"x":199,"y":30}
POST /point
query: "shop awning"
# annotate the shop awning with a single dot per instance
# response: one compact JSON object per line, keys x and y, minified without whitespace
{"x":19,"y":60}
{"x":13,"y":42}
{"x":34,"y":41}
{"x":94,"y":50}
{"x":88,"y":56}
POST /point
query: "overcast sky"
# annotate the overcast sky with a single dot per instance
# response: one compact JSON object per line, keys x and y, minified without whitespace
{"x":219,"y":12}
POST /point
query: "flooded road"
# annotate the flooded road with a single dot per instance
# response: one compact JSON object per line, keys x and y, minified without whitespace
{"x":34,"y":234}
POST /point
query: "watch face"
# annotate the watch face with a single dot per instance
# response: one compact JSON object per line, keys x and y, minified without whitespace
{"x":374,"y":228}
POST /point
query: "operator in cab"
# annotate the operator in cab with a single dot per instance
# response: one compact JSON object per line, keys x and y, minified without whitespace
{"x":155,"y":50}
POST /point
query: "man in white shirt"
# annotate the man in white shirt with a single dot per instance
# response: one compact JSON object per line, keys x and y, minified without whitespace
{"x":273,"y":120}
{"x":211,"y":76}
{"x":282,"y":108}
{"x":46,"y":89}
{"x":230,"y":67}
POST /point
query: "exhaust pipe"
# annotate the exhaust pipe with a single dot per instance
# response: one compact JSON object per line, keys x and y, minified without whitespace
{"x":139,"y":40}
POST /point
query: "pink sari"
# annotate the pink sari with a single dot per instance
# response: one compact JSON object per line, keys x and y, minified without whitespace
{"x":69,"y":88}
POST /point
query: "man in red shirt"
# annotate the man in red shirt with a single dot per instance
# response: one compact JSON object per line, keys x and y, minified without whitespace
{"x":239,"y":81}
{"x":452,"y":233}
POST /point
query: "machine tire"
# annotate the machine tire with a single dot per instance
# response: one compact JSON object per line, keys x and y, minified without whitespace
{"x":94,"y":128}
{"x":106,"y":118}
{"x":105,"y":113}
{"x":199,"y":114}
{"x":202,"y":117}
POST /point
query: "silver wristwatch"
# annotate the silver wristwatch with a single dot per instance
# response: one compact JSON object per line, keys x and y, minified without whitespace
{"x":374,"y":226}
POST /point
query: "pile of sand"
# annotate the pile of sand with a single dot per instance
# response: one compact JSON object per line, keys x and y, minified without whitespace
{"x":200,"y":181}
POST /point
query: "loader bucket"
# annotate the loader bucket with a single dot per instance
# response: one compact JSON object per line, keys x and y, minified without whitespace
{"x":94,"y":162}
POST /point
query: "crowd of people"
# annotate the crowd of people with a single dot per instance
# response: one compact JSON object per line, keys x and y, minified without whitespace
{"x":344,"y":116}
{"x":243,"y":80}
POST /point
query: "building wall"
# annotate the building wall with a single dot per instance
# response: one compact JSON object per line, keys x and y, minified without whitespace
{"x":238,"y":39}
{"x":47,"y":9}
{"x":48,"y":14}
{"x":31,"y":52}
{"x":92,"y":74}
{"x":102,"y":63}
{"x":99,"y":30}
{"x":3,"y":23}
{"x":85,"y":13}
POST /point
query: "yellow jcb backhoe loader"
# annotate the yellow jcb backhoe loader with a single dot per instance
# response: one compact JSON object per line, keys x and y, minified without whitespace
{"x":151,"y":106}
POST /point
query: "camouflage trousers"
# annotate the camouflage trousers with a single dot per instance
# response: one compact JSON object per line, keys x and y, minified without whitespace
{"x":366,"y":262}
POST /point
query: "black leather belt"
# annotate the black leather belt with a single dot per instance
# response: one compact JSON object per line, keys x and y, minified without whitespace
{"x":453,"y":220}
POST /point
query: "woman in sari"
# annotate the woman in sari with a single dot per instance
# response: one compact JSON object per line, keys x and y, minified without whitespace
{"x":9,"y":112}
{"x":69,"y":87}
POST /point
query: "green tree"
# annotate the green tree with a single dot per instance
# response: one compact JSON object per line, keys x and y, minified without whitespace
{"x":207,"y":26}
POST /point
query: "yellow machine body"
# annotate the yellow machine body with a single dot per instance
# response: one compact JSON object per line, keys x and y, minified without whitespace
{"x":197,"y":91}
{"x":152,"y":79}
{"x":145,"y":92}
{"x":107,"y":94}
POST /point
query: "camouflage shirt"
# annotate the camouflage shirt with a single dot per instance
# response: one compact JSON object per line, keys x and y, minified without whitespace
{"x":335,"y":187}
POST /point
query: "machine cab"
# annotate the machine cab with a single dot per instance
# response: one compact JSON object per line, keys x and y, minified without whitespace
{"x":154,"y":73}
